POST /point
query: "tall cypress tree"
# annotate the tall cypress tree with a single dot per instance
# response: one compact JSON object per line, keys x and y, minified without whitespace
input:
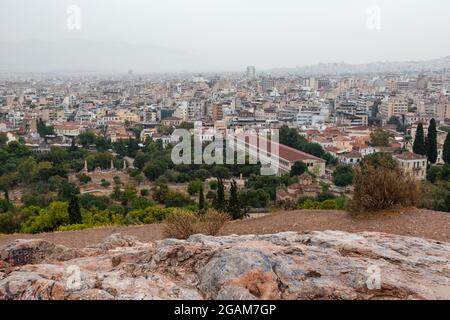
{"x":419,"y":146}
{"x":234,"y":207}
{"x":201,"y":200}
{"x":432,"y":152}
{"x":446,"y":152}
{"x":74,"y":211}
{"x":73,"y":146}
{"x":219,"y":200}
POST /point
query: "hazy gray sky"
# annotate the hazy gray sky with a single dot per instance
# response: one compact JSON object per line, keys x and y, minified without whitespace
{"x":235,"y":33}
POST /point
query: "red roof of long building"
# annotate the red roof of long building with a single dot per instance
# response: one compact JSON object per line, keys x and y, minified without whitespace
{"x":284,"y":152}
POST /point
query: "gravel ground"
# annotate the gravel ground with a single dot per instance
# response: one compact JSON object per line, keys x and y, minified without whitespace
{"x":410,"y":222}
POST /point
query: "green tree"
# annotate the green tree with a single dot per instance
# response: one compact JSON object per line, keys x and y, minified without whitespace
{"x":86,"y":138}
{"x":298,"y":168}
{"x":138,"y":178}
{"x":73,"y":146}
{"x":379,"y":138}
{"x":446,"y":152}
{"x":194,"y":187}
{"x":43,"y":129}
{"x":419,"y":141}
{"x":291,"y":138}
{"x":154,"y":169}
{"x":83,"y":178}
{"x":252,"y":198}
{"x":432,"y":142}
{"x":201,"y":199}
{"x":219,"y":200}
{"x":74,"y":211}
{"x":27,"y":169}
{"x":102,"y":144}
{"x":433,"y":174}
{"x":343,"y":175}
{"x":375,"y":108}
{"x":234,"y":207}
{"x":3,"y":139}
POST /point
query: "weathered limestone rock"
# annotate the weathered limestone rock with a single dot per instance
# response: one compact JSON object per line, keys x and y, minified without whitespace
{"x":289,"y":265}
{"x":22,"y":252}
{"x":116,"y":240}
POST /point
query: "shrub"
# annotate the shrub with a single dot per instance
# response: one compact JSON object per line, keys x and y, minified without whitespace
{"x":343,"y":175}
{"x":138,"y":217}
{"x":328,"y":205}
{"x":117,"y":180}
{"x":147,"y":216}
{"x":286,"y":204}
{"x":83,"y":178}
{"x":341,"y":203}
{"x":194,"y":187}
{"x":298,"y":168}
{"x":88,"y":201}
{"x":141,"y":203}
{"x":105,"y":184}
{"x":310,"y":204}
{"x":301,"y":200}
{"x":212,"y":221}
{"x":145,"y":192}
{"x":435,"y":196}
{"x":74,"y":227}
{"x":180,"y":224}
{"x":325,"y":196}
{"x":380,"y":184}
{"x":192,"y":207}
{"x":106,"y":217}
{"x":176,"y":200}
{"x":48,"y":219}
{"x":10,"y":222}
{"x":254,"y":198}
{"x":213,"y":184}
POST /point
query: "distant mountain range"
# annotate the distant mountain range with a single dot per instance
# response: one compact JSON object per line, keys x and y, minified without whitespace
{"x":119,"y":57}
{"x":375,"y":67}
{"x":91,"y":56}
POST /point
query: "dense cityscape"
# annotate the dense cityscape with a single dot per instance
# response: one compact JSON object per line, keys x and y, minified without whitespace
{"x":228,"y":153}
{"x":95,"y":136}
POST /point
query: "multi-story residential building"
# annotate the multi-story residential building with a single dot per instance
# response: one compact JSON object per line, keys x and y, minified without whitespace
{"x":171,"y":121}
{"x":84,"y":116}
{"x":351,"y":114}
{"x":267,"y":84}
{"x":288,"y":113}
{"x":195,"y":109}
{"x":215,"y":112}
{"x":413,"y":164}
{"x":127,"y":115}
{"x":68,"y":129}
{"x":352,"y":158}
{"x":108,"y":117}
{"x":251,"y":72}
{"x":443,"y":108}
{"x":310,"y":116}
{"x":393,"y":107}
{"x":52,"y":115}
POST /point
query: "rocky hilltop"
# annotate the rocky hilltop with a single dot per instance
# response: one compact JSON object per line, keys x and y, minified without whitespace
{"x":289,"y":265}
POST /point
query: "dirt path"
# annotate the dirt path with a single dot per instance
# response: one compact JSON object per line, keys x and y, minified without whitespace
{"x":414,"y":222}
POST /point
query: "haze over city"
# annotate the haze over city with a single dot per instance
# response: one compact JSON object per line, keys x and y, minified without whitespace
{"x":201,"y":35}
{"x":224,"y":150}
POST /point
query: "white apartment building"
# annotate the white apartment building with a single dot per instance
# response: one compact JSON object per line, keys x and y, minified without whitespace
{"x":312,"y":116}
{"x":413,"y":164}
